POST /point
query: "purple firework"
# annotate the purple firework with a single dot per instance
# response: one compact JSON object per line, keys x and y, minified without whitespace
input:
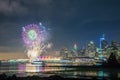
{"x":31,"y":34}
{"x":35,"y":38}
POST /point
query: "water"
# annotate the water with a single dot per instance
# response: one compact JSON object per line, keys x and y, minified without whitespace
{"x":23,"y":70}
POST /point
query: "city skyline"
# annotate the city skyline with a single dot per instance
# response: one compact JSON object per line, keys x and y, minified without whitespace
{"x":69,"y":22}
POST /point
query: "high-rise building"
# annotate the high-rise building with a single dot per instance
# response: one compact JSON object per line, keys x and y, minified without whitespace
{"x":90,"y":49}
{"x":75,"y":50}
{"x":104,"y":48}
{"x":64,"y":52}
{"x":75,"y":47}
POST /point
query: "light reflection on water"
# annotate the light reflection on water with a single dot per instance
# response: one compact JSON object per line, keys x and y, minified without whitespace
{"x":30,"y":70}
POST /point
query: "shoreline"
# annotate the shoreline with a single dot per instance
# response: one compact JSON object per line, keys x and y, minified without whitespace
{"x":53,"y":77}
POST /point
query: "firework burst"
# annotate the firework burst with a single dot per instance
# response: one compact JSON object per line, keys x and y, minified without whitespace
{"x":35,"y":38}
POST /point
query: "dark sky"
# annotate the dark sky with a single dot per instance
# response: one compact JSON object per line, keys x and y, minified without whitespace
{"x":70,"y":21}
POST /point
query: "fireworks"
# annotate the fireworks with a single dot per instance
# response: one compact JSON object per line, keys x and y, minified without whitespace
{"x":35,"y":38}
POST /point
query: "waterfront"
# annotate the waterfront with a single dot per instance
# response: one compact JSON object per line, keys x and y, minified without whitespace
{"x":24,"y":70}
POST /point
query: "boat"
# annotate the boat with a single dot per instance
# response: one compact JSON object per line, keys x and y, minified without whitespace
{"x":41,"y":63}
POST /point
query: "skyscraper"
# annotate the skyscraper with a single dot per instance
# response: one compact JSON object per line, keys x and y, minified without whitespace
{"x":90,"y":49}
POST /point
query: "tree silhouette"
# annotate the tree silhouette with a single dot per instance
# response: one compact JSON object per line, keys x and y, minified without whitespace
{"x":112,"y":59}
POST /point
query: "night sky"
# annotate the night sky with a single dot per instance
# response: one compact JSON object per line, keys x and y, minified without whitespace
{"x":69,"y":21}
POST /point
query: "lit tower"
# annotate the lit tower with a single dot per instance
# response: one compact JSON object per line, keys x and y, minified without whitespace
{"x":101,"y":39}
{"x":75,"y":47}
